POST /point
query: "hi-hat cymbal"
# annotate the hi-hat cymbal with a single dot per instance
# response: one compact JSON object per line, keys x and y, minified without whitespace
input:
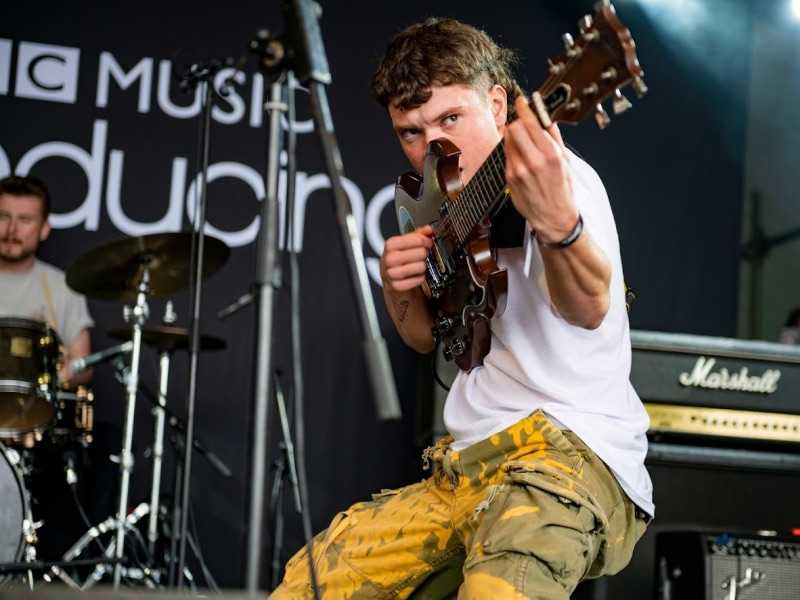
{"x":113,"y":271}
{"x":167,"y":339}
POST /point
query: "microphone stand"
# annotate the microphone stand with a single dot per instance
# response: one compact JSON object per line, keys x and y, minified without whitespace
{"x":202,"y":74}
{"x":264,"y":292}
{"x":311,"y":66}
{"x":301,"y":51}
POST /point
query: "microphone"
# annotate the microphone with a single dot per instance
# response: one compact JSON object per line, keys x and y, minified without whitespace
{"x":81,"y":364}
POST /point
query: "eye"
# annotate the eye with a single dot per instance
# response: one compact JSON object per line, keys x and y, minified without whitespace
{"x":408,"y":135}
{"x":450,"y":119}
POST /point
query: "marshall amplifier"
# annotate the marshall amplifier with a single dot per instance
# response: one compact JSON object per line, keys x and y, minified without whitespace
{"x":693,"y":565}
{"x":740,"y":397}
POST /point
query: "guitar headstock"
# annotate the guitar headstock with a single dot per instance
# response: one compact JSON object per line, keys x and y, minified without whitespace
{"x":595,"y":64}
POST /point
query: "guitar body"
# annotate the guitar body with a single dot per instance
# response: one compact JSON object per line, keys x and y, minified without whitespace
{"x":463,"y":281}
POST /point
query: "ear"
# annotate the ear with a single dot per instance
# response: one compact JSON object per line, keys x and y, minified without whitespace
{"x":44,"y":232}
{"x":498,"y":100}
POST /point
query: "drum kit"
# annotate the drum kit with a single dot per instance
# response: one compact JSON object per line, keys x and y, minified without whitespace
{"x":38,"y":415}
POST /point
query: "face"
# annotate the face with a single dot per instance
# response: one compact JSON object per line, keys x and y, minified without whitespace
{"x":22,"y":227}
{"x":472,"y":119}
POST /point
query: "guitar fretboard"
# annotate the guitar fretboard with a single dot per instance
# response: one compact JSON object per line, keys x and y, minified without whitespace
{"x":480,"y":198}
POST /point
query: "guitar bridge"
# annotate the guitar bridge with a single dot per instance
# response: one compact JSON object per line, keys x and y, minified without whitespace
{"x":441,"y":269}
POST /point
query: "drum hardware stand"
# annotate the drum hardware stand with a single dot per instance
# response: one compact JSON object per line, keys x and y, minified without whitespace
{"x":284,"y":469}
{"x":178,"y":445}
{"x":176,"y":438}
{"x":102,"y":566}
{"x":159,"y":413}
{"x":54,"y":567}
{"x":136,"y":315}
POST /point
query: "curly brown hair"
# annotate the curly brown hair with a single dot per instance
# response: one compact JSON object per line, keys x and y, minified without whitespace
{"x":442,"y":52}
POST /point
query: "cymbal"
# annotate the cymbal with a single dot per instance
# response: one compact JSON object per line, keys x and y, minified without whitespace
{"x":166,"y":338}
{"x":113,"y":271}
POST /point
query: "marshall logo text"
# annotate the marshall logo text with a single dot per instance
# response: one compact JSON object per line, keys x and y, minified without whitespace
{"x":702,"y":376}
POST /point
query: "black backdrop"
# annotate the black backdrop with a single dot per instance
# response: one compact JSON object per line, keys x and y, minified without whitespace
{"x":672,"y":166}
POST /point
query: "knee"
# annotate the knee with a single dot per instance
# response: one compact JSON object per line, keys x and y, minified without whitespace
{"x":511,"y":576}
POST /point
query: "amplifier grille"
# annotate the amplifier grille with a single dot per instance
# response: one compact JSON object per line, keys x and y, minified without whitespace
{"x":695,"y":565}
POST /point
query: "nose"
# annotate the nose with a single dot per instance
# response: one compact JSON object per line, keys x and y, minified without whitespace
{"x":433,"y":134}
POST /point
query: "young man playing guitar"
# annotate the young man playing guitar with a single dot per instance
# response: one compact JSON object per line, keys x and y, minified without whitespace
{"x":542,"y":481}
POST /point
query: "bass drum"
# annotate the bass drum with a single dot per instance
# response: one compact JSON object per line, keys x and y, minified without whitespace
{"x":14,"y":507}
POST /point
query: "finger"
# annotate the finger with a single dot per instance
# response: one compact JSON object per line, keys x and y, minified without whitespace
{"x":402,"y":257}
{"x":407,"y":284}
{"x":510,"y":149}
{"x":515,"y":163}
{"x":555,"y":132}
{"x":404,"y":271}
{"x":528,"y":154}
{"x":544,"y":142}
{"x":409,"y":240}
{"x":426,"y":230}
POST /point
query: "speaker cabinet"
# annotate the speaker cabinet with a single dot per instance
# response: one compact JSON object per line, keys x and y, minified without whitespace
{"x":704,"y":565}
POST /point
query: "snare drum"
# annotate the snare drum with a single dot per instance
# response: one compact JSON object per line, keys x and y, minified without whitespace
{"x":14,"y":507}
{"x":29,"y":353}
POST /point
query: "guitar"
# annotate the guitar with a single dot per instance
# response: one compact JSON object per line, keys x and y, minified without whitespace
{"x":463,"y":281}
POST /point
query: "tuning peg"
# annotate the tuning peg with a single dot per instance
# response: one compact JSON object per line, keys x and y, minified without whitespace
{"x":554,"y":68}
{"x":609,"y":74}
{"x":585,"y":27}
{"x":639,"y":86}
{"x":601,"y":117}
{"x":573,"y":50}
{"x":621,"y":103}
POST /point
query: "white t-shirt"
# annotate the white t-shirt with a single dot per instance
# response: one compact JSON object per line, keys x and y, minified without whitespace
{"x":579,"y":377}
{"x":42,"y":294}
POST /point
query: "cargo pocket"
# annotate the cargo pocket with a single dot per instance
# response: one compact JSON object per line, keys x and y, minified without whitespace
{"x":625,"y":530}
{"x":391,"y":541}
{"x":546,"y":516}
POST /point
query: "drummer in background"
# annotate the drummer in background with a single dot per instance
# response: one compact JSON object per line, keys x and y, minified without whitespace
{"x":30,"y":288}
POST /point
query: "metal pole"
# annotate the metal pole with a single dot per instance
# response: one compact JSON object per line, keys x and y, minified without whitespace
{"x":138,"y":314}
{"x":265,"y":279}
{"x":376,"y":353}
{"x":199,"y":224}
{"x":158,"y":451}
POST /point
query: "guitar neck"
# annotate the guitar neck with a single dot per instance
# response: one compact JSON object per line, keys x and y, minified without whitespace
{"x":592,"y":68}
{"x":481,"y":198}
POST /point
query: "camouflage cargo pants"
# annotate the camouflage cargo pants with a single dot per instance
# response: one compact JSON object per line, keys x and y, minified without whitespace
{"x":529,"y":512}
